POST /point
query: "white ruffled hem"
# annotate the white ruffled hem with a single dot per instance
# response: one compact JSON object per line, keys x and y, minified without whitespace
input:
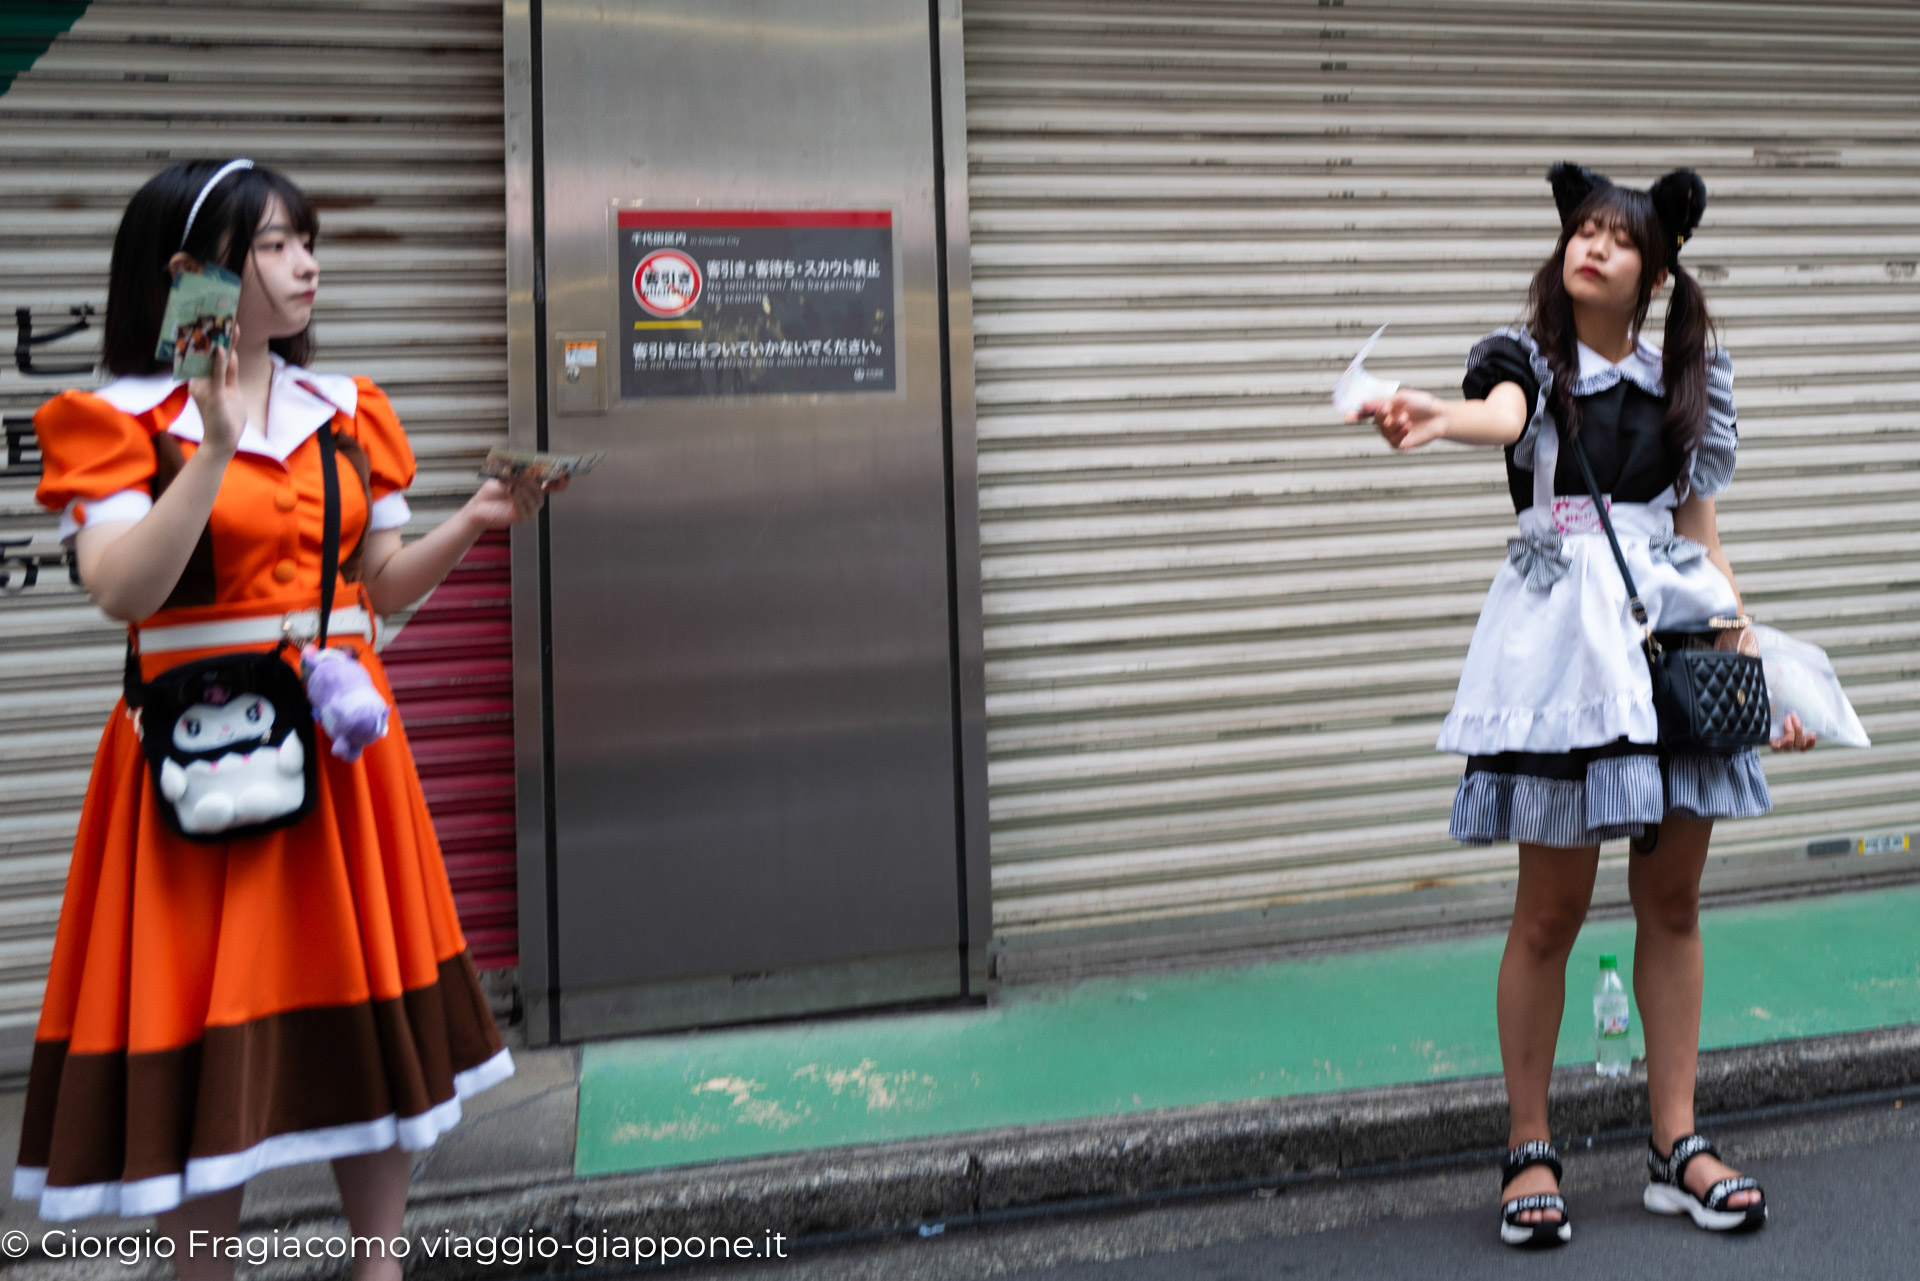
{"x":1549,"y":729}
{"x":1560,"y":668}
{"x":205,"y":1175}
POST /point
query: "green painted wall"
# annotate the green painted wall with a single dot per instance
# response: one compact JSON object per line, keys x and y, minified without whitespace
{"x":29,"y":29}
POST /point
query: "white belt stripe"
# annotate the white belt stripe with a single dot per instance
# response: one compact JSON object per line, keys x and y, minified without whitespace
{"x":351,"y":620}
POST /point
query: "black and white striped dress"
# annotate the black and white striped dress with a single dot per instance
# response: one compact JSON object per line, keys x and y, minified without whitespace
{"x":1555,"y":707}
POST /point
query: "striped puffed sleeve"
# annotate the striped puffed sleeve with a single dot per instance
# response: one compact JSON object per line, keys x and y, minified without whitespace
{"x":1710,"y":469}
{"x":390,"y":462}
{"x":97,"y":462}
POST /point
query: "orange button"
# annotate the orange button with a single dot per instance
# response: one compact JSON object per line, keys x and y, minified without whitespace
{"x":80,"y":513}
{"x":284,"y":500}
{"x":283,"y":572}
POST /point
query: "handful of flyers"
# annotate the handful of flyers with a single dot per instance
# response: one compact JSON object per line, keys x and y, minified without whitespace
{"x":506,"y":464}
{"x":198,"y":319}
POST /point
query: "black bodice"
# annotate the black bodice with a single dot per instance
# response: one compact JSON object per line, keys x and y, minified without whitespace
{"x":1619,"y":430}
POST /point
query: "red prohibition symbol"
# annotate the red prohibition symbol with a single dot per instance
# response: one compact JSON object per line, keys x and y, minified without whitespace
{"x":667,"y":283}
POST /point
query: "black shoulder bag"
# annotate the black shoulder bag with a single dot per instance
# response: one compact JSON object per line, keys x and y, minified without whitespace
{"x":229,"y":739}
{"x":1708,"y":700}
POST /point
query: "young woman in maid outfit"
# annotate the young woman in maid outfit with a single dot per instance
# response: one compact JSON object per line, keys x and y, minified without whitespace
{"x":219,"y":1008}
{"x":1554,"y":711}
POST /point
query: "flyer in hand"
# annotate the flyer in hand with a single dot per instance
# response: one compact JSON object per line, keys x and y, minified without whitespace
{"x":198,"y":319}
{"x":505,"y":464}
{"x":1358,"y":387}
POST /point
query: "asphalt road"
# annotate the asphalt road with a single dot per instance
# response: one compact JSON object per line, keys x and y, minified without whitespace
{"x":1840,"y":1184}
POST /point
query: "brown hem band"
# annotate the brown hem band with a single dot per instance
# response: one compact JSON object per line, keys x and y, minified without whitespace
{"x":105,"y":1117}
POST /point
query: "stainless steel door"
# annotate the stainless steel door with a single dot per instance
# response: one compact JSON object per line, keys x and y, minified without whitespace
{"x":753,"y":797}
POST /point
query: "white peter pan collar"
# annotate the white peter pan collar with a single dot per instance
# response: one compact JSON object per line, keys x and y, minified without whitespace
{"x":300,"y":402}
{"x":1641,"y":368}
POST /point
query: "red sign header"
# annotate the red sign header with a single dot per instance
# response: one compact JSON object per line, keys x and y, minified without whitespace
{"x":756,"y":218}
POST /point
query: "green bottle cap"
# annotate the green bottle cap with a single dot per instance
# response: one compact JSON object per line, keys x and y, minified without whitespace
{"x":1608,"y":961}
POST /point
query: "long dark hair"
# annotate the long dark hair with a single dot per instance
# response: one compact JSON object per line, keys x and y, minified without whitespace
{"x":1689,"y":327}
{"x":149,"y":235}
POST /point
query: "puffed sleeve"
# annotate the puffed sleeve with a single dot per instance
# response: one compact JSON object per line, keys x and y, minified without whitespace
{"x":97,"y":462}
{"x":390,"y":464}
{"x":1710,"y":469}
{"x":1512,"y":356}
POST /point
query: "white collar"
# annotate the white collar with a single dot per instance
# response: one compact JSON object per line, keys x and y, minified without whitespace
{"x":300,"y":402}
{"x":1641,"y":368}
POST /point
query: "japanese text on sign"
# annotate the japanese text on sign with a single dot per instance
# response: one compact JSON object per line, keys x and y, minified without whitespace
{"x":751,"y":302}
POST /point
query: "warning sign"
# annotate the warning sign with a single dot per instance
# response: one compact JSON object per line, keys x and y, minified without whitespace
{"x":754,"y":302}
{"x":667,"y":283}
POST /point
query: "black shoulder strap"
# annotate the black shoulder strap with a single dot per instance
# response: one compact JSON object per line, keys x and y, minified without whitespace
{"x":1606,"y":523}
{"x":330,"y":530}
{"x":131,"y":685}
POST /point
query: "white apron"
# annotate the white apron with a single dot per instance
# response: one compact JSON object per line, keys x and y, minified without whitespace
{"x":1556,"y":660}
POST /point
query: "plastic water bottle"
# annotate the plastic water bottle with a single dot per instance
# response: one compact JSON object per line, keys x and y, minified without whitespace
{"x":1612,"y":1055}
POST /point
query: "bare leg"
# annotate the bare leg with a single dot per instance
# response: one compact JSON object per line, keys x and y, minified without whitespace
{"x":1549,"y":905}
{"x":1669,"y":970}
{"x":216,"y":1215}
{"x":373,"y":1189}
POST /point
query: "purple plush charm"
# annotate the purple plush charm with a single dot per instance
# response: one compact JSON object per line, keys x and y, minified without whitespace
{"x":344,"y":700}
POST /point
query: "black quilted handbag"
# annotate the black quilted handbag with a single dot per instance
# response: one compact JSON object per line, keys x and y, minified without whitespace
{"x":1707,"y":699}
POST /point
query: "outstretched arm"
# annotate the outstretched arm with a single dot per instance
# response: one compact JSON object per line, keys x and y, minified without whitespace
{"x":396,"y":576}
{"x":1409,"y":419}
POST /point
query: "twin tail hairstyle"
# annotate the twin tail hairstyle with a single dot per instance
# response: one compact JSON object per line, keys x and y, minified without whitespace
{"x":1658,"y":221}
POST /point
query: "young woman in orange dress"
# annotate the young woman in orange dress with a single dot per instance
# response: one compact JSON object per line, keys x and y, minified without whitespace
{"x":216,"y":1009}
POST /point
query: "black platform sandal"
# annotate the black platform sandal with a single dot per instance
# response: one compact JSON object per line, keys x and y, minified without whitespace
{"x":1526,"y":1235}
{"x":1666,"y":1194}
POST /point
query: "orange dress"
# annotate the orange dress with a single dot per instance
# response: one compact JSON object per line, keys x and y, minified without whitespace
{"x":215,"y":1010}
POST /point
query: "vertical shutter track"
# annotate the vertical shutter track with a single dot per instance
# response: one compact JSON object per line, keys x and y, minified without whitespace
{"x":1222,"y":628}
{"x":389,"y":114}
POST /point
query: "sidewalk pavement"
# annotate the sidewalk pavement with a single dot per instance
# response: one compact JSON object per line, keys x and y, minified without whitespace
{"x":1113,"y":1089}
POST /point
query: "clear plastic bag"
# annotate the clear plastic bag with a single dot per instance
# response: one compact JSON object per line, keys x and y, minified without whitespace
{"x":1800,"y":679}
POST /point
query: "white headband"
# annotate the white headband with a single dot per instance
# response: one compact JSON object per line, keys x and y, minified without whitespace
{"x":232,"y":166}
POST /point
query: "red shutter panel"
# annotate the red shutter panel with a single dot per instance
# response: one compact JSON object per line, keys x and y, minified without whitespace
{"x":451,"y":666}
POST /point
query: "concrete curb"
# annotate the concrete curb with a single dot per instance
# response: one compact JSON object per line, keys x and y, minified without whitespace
{"x":899,"y":1186}
{"x":838,"y":1193}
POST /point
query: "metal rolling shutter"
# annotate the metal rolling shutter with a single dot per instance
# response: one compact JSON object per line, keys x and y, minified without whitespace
{"x":1221,"y":628}
{"x":452,"y":674}
{"x":389,"y":113}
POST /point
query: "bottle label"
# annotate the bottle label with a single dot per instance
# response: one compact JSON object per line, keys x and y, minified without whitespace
{"x":1613,"y":1025}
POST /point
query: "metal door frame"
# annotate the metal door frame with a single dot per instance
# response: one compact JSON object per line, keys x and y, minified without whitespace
{"x":527,"y":341}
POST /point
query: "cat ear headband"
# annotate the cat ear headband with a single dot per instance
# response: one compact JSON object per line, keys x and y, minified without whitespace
{"x":232,"y":166}
{"x":1679,"y":199}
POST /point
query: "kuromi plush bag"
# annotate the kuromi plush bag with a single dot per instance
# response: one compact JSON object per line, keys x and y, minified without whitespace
{"x":229,"y":741}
